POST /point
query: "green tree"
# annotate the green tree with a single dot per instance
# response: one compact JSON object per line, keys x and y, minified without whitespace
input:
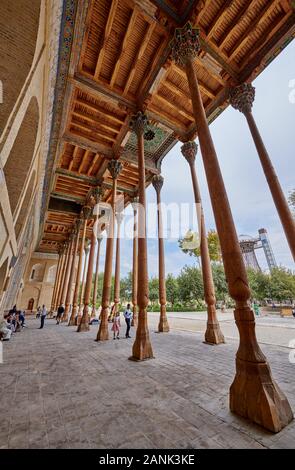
{"x":126,"y":288}
{"x":172,"y":291}
{"x":220,"y":284}
{"x":282,"y":284}
{"x":153,"y":290}
{"x":259,"y":284}
{"x":213,"y":246}
{"x":190,"y":284}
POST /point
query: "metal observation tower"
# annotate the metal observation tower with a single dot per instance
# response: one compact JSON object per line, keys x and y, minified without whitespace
{"x":248,"y":246}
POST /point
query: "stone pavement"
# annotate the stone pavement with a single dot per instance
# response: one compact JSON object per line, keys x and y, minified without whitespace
{"x":270,"y":329}
{"x":61,"y":389}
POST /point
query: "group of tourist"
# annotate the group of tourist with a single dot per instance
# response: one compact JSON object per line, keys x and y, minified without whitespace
{"x":117,"y":323}
{"x":12,"y":322}
{"x":114,"y":318}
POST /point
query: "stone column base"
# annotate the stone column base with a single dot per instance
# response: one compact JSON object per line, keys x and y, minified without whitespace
{"x":103,"y":331}
{"x":256,"y":396}
{"x":84,"y":323}
{"x":213,"y":334}
{"x":163,"y":326}
{"x":142,"y":348}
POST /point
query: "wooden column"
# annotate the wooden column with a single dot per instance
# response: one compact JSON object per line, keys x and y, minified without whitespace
{"x":81,"y":303}
{"x":213,"y":334}
{"x":67,"y":287}
{"x":62,"y":273}
{"x":134,"y":264}
{"x":114,"y":167}
{"x":67,"y":271}
{"x":253,"y":394}
{"x":142,"y":348}
{"x":242,"y":98}
{"x":75,"y":309}
{"x":65,"y":317}
{"x":56,"y":281}
{"x":93,"y":314}
{"x":119,"y":218}
{"x":163,"y":326}
{"x":84,"y":323}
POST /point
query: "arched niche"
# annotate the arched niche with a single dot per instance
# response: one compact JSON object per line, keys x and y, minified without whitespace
{"x":51,"y":273}
{"x":37,"y":272}
{"x":25,"y":206}
{"x":18,"y":163}
{"x":19,"y":21}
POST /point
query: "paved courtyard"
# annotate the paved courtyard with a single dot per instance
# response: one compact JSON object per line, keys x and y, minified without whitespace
{"x":61,"y":389}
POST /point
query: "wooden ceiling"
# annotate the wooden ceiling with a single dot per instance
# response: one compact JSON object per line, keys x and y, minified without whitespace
{"x":120,"y":62}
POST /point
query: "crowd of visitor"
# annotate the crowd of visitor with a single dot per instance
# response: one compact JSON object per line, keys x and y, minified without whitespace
{"x":13,"y":322}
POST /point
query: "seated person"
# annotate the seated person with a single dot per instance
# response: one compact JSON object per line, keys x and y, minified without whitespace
{"x":17,"y":322}
{"x":5,"y":331}
{"x":22,"y":318}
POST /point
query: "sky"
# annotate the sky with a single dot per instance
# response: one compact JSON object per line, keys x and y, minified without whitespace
{"x":248,"y":192}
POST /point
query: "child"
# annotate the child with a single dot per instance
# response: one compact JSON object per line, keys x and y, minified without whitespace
{"x":116,"y":325}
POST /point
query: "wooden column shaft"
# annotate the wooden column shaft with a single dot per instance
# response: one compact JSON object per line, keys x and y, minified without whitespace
{"x":71,"y":278}
{"x":274,"y":185}
{"x":270,"y":407}
{"x":103,"y":333}
{"x":99,"y":240}
{"x":65,"y":275}
{"x":79,"y":271}
{"x":61,"y":277}
{"x":117,"y":267}
{"x":162,"y":282}
{"x":84,"y":324}
{"x":55,"y":287}
{"x":142,"y":348}
{"x":134,"y":270}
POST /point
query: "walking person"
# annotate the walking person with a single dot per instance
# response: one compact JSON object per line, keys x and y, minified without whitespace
{"x":128,"y":318}
{"x":116,"y":325}
{"x":59,"y":314}
{"x":43,"y":316}
{"x":38,"y":313}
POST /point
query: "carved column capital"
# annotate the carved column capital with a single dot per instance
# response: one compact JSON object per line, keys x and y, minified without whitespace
{"x":87,"y":246}
{"x":189,"y":151}
{"x":134,"y":203}
{"x":86,"y":211}
{"x":114,"y":167}
{"x":157,"y":183}
{"x":242,"y":97}
{"x":185,"y":45}
{"x":78,"y":224}
{"x":97,"y":193}
{"x":139,"y":123}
